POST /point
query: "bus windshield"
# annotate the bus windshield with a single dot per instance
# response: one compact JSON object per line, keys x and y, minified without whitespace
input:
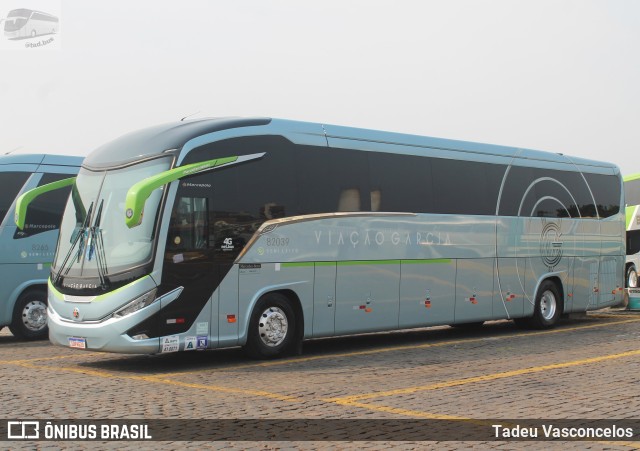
{"x":14,"y":24}
{"x":94,"y":239}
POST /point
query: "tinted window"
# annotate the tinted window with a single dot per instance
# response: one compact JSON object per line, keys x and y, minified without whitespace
{"x":332,"y":180}
{"x":546,"y":193}
{"x":45,"y":212}
{"x":633,"y":242}
{"x":12,"y":182}
{"x":606,"y":190}
{"x":242,"y":196}
{"x":465,"y":187}
{"x":400,"y":183}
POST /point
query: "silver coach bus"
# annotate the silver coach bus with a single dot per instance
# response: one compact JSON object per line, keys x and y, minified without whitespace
{"x":26,"y":255}
{"x":262,"y":232}
{"x":25,"y":23}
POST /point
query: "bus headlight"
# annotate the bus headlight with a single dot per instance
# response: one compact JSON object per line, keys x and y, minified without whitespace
{"x":141,"y":302}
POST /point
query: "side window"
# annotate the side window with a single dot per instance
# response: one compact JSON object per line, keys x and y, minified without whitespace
{"x":332,"y":180}
{"x":632,"y":192}
{"x":541,"y":192}
{"x":465,"y":187}
{"x":606,"y":190}
{"x":12,"y":183}
{"x":400,"y":183}
{"x":189,"y":225}
{"x":633,"y":242}
{"x":45,"y":212}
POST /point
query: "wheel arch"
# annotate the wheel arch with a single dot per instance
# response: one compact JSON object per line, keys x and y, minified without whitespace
{"x":21,"y":289}
{"x":556,"y":279}
{"x":287,"y":291}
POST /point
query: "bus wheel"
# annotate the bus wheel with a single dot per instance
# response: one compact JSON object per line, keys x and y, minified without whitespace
{"x":30,"y":316}
{"x":632,"y":277}
{"x":547,"y":310}
{"x":271,"y":328}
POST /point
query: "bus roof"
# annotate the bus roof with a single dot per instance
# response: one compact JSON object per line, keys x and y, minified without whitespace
{"x":49,"y":159}
{"x":154,"y":141}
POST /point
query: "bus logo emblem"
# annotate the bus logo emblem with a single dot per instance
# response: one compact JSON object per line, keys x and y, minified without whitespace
{"x":76,"y":313}
{"x":550,"y":244}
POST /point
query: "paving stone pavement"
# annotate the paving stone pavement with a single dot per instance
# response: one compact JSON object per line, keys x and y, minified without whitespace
{"x":585,"y":369}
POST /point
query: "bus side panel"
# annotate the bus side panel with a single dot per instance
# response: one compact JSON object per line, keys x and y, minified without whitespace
{"x":587,"y":267}
{"x":612,"y":267}
{"x":427,"y":293}
{"x":585,"y":282}
{"x":21,"y":277}
{"x":324,"y":299}
{"x":367,"y":296}
{"x":610,"y":281}
{"x":23,"y":262}
{"x":474,"y":290}
{"x":509,"y":298}
{"x":226,"y":316}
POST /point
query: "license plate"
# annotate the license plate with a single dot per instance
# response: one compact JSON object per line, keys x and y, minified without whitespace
{"x":80,"y":343}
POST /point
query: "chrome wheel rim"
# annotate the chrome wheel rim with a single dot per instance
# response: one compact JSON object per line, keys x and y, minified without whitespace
{"x":548,"y":305}
{"x":34,"y":315}
{"x":273,"y":326}
{"x":632,"y":279}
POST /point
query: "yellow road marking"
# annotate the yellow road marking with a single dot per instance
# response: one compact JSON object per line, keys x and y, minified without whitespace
{"x":258,"y":393}
{"x":158,"y":380}
{"x":11,"y":362}
{"x":395,"y":348}
{"x":347,"y":400}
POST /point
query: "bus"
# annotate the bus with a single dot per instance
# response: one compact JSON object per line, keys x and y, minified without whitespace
{"x":261,"y":233}
{"x":28,"y":23}
{"x":26,"y":254}
{"x":632,"y":199}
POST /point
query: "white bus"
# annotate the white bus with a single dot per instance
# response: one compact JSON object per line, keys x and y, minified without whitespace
{"x":632,"y":199}
{"x":28,"y":23}
{"x":26,"y":255}
{"x":262,"y":233}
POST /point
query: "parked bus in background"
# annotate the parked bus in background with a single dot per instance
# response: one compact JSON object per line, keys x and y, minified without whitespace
{"x":26,"y":23}
{"x":263,"y":232}
{"x":26,"y":255}
{"x":632,"y":199}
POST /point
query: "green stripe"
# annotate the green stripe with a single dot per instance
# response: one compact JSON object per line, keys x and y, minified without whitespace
{"x":629,"y":212}
{"x":295,"y":265}
{"x":441,"y":261}
{"x":631,"y":177}
{"x":368,"y":262}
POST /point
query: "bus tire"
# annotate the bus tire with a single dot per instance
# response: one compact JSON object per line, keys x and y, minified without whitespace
{"x":547,"y":309}
{"x":30,"y":315}
{"x":632,"y":277}
{"x":271,"y":327}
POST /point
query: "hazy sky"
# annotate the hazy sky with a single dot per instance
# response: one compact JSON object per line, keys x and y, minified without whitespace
{"x":555,"y":75}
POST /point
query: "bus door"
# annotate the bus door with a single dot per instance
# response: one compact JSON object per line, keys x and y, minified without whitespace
{"x":189,"y":263}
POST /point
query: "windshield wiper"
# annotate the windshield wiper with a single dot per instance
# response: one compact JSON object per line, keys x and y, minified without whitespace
{"x":96,"y":245}
{"x":76,"y":238}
